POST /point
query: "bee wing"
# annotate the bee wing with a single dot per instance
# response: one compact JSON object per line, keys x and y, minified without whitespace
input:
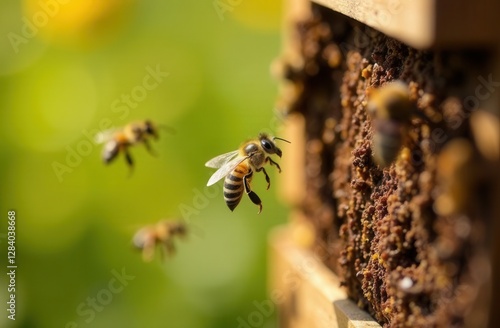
{"x":220,"y":160}
{"x":225,"y":170}
{"x":105,"y":136}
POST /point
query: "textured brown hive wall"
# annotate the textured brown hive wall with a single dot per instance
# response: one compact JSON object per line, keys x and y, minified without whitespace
{"x":404,"y":254}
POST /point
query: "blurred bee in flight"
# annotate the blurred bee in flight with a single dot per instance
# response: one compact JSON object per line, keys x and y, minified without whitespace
{"x":238,"y":166}
{"x":120,"y":140}
{"x":391,"y":110}
{"x":162,"y":233}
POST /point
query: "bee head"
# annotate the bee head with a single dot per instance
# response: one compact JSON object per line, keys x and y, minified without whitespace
{"x":150,"y":129}
{"x":178,"y":228}
{"x":268,"y":144}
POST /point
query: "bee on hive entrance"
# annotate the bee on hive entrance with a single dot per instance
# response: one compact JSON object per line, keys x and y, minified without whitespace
{"x":239,"y":165}
{"x":119,"y":140}
{"x":162,"y":233}
{"x":391,"y":110}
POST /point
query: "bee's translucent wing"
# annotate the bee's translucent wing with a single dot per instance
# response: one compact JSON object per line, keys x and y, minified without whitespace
{"x":220,"y":160}
{"x":225,"y":170}
{"x":105,"y":136}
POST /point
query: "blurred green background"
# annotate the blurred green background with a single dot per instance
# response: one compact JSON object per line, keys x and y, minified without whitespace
{"x":65,"y":67}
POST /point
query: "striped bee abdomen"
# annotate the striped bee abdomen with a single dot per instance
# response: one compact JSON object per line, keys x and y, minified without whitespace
{"x":233,"y":185}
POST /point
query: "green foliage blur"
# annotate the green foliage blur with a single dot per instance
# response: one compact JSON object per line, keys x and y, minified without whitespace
{"x":60,"y":79}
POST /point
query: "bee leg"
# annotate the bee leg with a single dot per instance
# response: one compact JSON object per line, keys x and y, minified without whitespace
{"x":148,"y":252}
{"x":147,"y":256}
{"x":169,"y":247}
{"x":148,"y":148}
{"x":195,"y":231}
{"x":275,"y":164}
{"x":129,"y":160}
{"x":268,"y":180}
{"x":253,"y":196}
{"x":167,"y":128}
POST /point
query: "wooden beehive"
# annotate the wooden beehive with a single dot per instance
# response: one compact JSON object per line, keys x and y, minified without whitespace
{"x":411,"y":244}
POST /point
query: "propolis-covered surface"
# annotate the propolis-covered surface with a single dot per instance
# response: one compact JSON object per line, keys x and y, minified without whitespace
{"x":409,"y":238}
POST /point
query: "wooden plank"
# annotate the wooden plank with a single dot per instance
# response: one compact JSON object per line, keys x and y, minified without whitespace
{"x":293,"y":178}
{"x":306,"y":292}
{"x":426,"y":24}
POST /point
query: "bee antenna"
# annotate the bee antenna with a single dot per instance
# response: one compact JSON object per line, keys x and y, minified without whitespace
{"x":274,"y":138}
{"x":167,"y":128}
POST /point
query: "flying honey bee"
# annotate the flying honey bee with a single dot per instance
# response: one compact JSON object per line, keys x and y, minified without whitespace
{"x":391,"y":110}
{"x":162,"y":233}
{"x":238,"y":166}
{"x":120,"y":140}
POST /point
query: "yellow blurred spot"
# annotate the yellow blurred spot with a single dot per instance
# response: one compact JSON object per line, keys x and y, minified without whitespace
{"x":486,"y":130}
{"x":258,"y":14}
{"x":82,"y":22}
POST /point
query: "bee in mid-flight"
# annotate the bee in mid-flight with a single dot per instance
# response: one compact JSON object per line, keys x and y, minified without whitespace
{"x":162,"y":233}
{"x":119,"y":140}
{"x":391,"y":110}
{"x":239,"y":165}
